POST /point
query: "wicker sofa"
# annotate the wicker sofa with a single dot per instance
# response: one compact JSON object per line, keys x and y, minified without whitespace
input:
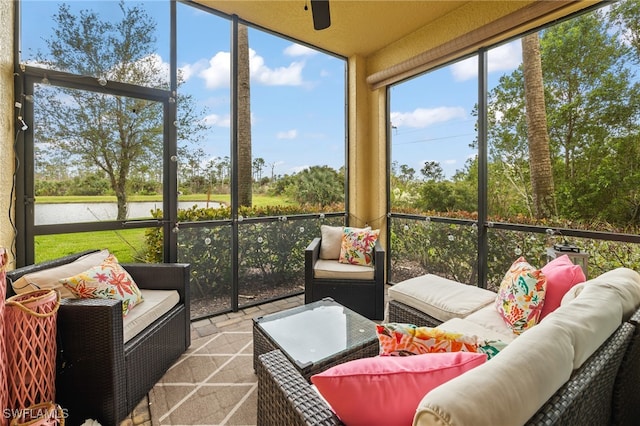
{"x":99,"y":375}
{"x":601,"y":389}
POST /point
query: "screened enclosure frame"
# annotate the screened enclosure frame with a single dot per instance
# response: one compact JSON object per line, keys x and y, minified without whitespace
{"x":28,"y":75}
{"x":26,"y":230}
{"x":483,"y":224}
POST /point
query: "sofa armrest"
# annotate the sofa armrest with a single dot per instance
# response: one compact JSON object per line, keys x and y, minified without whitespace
{"x":161,"y":276}
{"x":378,"y":262}
{"x":91,"y":359}
{"x":311,"y":255}
{"x":285,"y":397}
{"x":165,"y":276}
{"x":312,"y":252}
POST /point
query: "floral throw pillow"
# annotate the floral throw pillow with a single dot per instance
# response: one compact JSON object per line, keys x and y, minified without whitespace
{"x":109,"y":280}
{"x":357,"y":246}
{"x":397,"y":339}
{"x":521,"y":296}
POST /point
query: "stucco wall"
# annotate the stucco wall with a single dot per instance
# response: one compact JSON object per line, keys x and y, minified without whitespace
{"x":6,"y":120}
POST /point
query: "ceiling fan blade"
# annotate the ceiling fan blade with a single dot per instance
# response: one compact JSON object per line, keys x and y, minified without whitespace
{"x":320,"y":13}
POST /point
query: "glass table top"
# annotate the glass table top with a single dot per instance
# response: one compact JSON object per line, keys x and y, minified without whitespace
{"x":311,"y":333}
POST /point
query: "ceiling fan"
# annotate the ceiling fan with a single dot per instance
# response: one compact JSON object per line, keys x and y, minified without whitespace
{"x":320,"y":13}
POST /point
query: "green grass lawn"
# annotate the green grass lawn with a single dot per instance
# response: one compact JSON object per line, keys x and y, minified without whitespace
{"x":123,"y":243}
{"x":127,"y":244}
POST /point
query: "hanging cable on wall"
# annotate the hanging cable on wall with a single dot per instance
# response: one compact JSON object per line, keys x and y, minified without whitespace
{"x":365,"y":222}
{"x":21,"y":127}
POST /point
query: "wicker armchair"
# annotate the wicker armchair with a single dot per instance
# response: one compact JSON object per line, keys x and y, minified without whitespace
{"x":98,"y":375}
{"x":365,"y":296}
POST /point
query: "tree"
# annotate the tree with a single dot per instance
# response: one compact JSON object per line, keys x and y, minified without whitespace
{"x":536,"y":117}
{"x":406,"y":173}
{"x":319,"y":185}
{"x":592,"y":112}
{"x":626,"y":14}
{"x":273,"y":166}
{"x":244,"y":120}
{"x":116,"y":134}
{"x":432,"y":171}
{"x":258,"y":165}
{"x":593,"y":108}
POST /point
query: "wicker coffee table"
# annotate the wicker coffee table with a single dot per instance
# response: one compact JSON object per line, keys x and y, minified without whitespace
{"x":315,"y":336}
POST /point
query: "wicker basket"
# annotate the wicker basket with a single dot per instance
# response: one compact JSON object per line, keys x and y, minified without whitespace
{"x":30,"y":333}
{"x":3,"y":352}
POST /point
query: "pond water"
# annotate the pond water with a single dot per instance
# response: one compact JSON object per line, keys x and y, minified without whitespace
{"x":52,"y":214}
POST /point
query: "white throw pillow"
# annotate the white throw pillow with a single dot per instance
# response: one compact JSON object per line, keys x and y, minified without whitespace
{"x":332,"y":241}
{"x":48,"y":278}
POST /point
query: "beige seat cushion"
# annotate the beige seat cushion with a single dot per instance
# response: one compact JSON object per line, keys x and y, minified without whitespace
{"x":155,"y":304}
{"x":48,"y":278}
{"x":439,"y":297}
{"x":488,"y":318}
{"x":335,"y":270}
{"x":466,"y":326}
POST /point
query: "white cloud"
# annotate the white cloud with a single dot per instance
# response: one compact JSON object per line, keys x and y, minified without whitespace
{"x":506,"y":57}
{"x":465,"y":70}
{"x":299,"y":50}
{"x":281,"y":76}
{"x":191,"y":70}
{"x":449,"y":162}
{"x":216,"y":75}
{"x":218,"y":120}
{"x":424,"y":117}
{"x":289,"y":134}
{"x":218,"y":69}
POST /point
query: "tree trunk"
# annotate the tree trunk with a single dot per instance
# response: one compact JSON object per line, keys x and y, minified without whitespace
{"x":536,"y":116}
{"x":244,"y":120}
{"x":119,"y":185}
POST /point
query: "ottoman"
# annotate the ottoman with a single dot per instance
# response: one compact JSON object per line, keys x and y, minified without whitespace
{"x":429,"y":300}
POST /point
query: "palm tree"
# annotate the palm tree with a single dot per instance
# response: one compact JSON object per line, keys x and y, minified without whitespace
{"x":537,"y":135}
{"x":244,"y":120}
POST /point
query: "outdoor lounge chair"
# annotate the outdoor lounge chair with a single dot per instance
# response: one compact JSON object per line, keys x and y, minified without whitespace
{"x":360,"y":288}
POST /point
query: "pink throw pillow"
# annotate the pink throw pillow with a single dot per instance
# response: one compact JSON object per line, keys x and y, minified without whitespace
{"x":561,"y":275}
{"x":386,"y":390}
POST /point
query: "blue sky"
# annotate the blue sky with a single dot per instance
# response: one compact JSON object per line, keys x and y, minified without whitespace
{"x":298,"y":93}
{"x":431,"y":114}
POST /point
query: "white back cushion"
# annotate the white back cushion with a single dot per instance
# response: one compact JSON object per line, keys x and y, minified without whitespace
{"x":508,"y":389}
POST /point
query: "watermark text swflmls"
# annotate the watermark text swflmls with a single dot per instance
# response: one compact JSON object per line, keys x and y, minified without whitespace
{"x":35,"y":413}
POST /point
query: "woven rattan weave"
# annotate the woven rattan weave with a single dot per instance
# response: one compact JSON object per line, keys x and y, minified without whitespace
{"x":399,"y":312}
